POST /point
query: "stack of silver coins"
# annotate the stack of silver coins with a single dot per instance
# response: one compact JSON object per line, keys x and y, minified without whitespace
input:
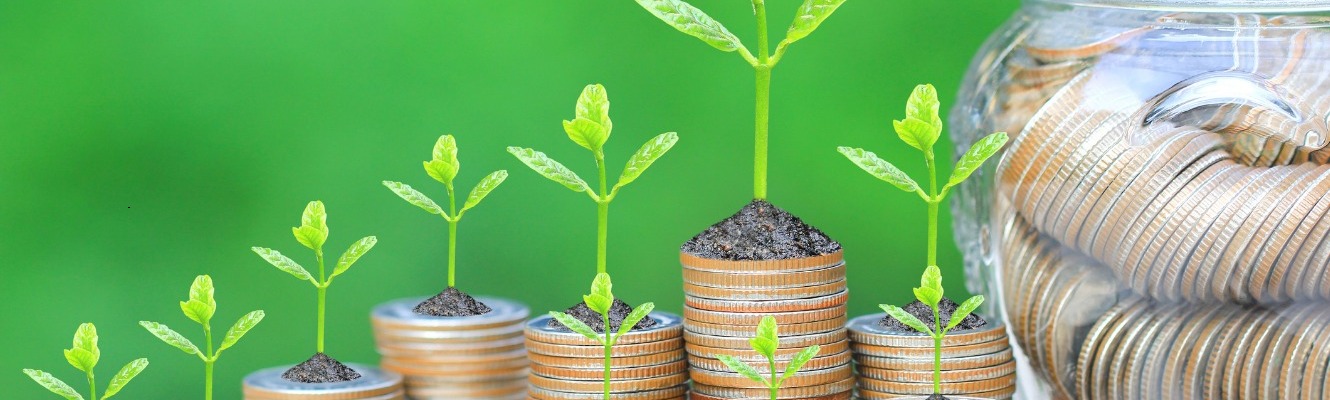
{"x":373,"y":384}
{"x":475,"y":357}
{"x":645,"y":363}
{"x":892,"y":364}
{"x":725,"y":300}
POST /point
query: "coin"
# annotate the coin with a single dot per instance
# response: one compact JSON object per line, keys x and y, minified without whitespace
{"x":373,"y":383}
{"x":761,"y":294}
{"x":670,"y":393}
{"x":783,"y":353}
{"x":667,"y":326}
{"x":823,"y":360}
{"x":762,"y":266}
{"x":745,"y":331}
{"x":617,"y":362}
{"x":948,"y":376}
{"x":915,"y":364}
{"x":949,"y":388}
{"x":805,"y":377}
{"x":773,"y":280}
{"x":805,"y":392}
{"x":786,"y":342}
{"x":400,"y":314}
{"x":866,"y":329}
{"x":769,"y":307}
{"x":752,"y":319}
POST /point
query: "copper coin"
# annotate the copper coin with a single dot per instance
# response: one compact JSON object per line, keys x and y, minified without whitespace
{"x":771,"y":306}
{"x":868,"y":330}
{"x":668,"y":326}
{"x":673,"y":368}
{"x":616,"y":386}
{"x":773,"y":280}
{"x":752,"y":319}
{"x":762,"y":294}
{"x":761,"y":266}
{"x":805,"y":377}
{"x":618,"y":362}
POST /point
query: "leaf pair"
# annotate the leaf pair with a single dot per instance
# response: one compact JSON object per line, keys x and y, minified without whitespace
{"x":201,"y":292}
{"x":930,"y":293}
{"x":443,"y":168}
{"x":314,"y":220}
{"x":84,"y":355}
{"x":692,"y":21}
{"x":600,"y":300}
{"x":766,"y":343}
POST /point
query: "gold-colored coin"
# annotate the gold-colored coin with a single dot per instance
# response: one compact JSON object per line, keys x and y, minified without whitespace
{"x":598,"y":374}
{"x":762,"y":267}
{"x":616,"y":386}
{"x":752,"y":319}
{"x":769,"y":307}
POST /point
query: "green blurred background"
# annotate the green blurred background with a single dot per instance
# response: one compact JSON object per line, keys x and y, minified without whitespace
{"x":146,"y":142}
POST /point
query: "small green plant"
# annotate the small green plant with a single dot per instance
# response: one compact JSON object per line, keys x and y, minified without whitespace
{"x":590,"y":128}
{"x":312,"y":233}
{"x":765,"y":343}
{"x":84,"y":356}
{"x":200,"y":307}
{"x":443,"y":167}
{"x":694,"y":22}
{"x":600,"y":300}
{"x":929,"y":292}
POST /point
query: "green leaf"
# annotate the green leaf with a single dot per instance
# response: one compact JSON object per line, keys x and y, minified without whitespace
{"x":53,"y":384}
{"x":594,"y":105}
{"x":928,"y":296}
{"x":975,"y":157}
{"x":798,"y":361}
{"x":550,"y":169}
{"x":766,"y":328}
{"x":81,"y":359}
{"x":599,"y":304}
{"x":415,"y":198}
{"x":906,"y":318}
{"x":313,"y":229}
{"x":283,"y":263}
{"x":879,"y":168}
{"x":932,"y":278}
{"x":484,"y":188}
{"x":577,"y":326}
{"x":964,"y":311}
{"x":352,"y":254}
{"x":85,"y":338}
{"x":602,"y":286}
{"x":645,"y":156}
{"x":122,"y":378}
{"x":443,"y":166}
{"x":743,"y":369}
{"x":586,"y":133}
{"x":171,"y":337}
{"x":196,"y":311}
{"x":634,"y":317}
{"x":202,"y":290}
{"x":917,"y":134}
{"x":810,"y":16}
{"x":923,"y":105}
{"x":692,"y":21}
{"x":239,"y":329}
{"x":764,"y":346}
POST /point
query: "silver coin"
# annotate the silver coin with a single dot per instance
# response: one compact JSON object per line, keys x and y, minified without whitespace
{"x":400,"y":312}
{"x":372,"y":382}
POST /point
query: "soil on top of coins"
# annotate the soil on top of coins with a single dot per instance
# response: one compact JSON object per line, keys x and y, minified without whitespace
{"x":760,"y":231}
{"x":944,"y":308}
{"x":451,"y":303}
{"x":936,"y":396}
{"x":618,"y":311}
{"x":320,"y":369}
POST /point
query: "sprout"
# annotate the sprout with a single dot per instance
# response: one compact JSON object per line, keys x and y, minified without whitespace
{"x":200,"y":307}
{"x":929,"y":292}
{"x":765,"y":343}
{"x":84,"y":356}
{"x":600,"y":300}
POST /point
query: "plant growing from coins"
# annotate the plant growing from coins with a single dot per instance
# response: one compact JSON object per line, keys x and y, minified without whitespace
{"x":84,"y":356}
{"x":590,"y":128}
{"x":599,"y":300}
{"x":694,"y":22}
{"x":199,"y":307}
{"x":765,"y":343}
{"x":312,"y":233}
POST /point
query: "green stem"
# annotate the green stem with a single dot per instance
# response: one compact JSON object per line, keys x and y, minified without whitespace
{"x":932,"y":207}
{"x":762,"y":110}
{"x":323,"y":297}
{"x":775,"y":387}
{"x":602,"y":218}
{"x":937,"y":353}
{"x":92,"y":385}
{"x":207,"y":364}
{"x":452,"y":237}
{"x":608,"y":355}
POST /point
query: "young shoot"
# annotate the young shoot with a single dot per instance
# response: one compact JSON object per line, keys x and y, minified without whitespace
{"x":199,"y":307}
{"x":930,"y":292}
{"x":590,"y":128}
{"x":765,"y":343}
{"x":84,"y":356}
{"x":600,"y":300}
{"x":312,"y":233}
{"x":694,"y":22}
{"x":443,"y":167}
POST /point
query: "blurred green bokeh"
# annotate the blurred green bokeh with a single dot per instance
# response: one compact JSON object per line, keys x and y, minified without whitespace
{"x":146,"y":142}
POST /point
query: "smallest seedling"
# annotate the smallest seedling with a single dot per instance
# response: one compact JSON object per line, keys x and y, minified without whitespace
{"x":199,"y":307}
{"x":930,"y":292}
{"x":600,"y":300}
{"x":765,"y":343}
{"x":84,"y":356}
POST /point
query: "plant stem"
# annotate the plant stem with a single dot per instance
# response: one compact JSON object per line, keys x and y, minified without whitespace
{"x":775,"y":388}
{"x":452,"y":237}
{"x":937,"y":353}
{"x":92,"y":385}
{"x":602,"y":219}
{"x":932,"y":207}
{"x":207,"y":364}
{"x":323,"y":297}
{"x":763,"y":107}
{"x":608,"y":354}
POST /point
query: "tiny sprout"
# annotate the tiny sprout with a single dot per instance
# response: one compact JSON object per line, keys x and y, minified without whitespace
{"x":443,"y":167}
{"x":930,"y":292}
{"x":84,"y":356}
{"x":313,"y":232}
{"x":600,"y":300}
{"x":199,"y":307}
{"x":590,"y":128}
{"x":765,"y":343}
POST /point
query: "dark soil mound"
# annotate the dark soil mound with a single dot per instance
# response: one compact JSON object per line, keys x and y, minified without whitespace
{"x":760,"y":231}
{"x":936,"y":396}
{"x":944,"y":308}
{"x":451,"y":303}
{"x":320,"y":369}
{"x":593,"y":319}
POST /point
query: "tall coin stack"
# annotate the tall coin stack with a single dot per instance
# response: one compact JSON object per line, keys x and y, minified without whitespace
{"x":647,"y":364}
{"x":975,"y":363}
{"x":373,"y":384}
{"x":475,"y":357}
{"x":725,"y":300}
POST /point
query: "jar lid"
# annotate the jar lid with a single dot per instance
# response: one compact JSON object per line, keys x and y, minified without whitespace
{"x":1251,"y":6}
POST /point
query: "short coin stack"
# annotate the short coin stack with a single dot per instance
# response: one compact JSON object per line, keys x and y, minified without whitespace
{"x":373,"y":384}
{"x":976,"y":363}
{"x":475,"y":357}
{"x":648,"y":364}
{"x":724,"y":302}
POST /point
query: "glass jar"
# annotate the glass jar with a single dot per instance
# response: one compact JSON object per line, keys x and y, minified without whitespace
{"x":1159,"y":224}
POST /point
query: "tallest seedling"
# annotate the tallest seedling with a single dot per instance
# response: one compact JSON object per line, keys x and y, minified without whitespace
{"x":690,"y":20}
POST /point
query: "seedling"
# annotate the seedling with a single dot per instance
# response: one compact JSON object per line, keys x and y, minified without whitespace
{"x":200,"y":307}
{"x":590,"y":128}
{"x":443,"y":167}
{"x":765,"y":343}
{"x":694,"y":22}
{"x":84,"y":356}
{"x":600,"y":300}
{"x":920,"y":129}
{"x":312,"y":233}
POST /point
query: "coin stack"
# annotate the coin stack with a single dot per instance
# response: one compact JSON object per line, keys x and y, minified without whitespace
{"x":647,"y":364}
{"x":892,"y":364}
{"x":373,"y":384}
{"x":725,"y":300}
{"x":475,"y":357}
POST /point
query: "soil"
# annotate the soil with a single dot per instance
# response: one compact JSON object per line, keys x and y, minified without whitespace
{"x":760,"y":231}
{"x":451,"y":303}
{"x":945,"y":308}
{"x":320,"y":369}
{"x":618,"y":311}
{"x":936,"y":396}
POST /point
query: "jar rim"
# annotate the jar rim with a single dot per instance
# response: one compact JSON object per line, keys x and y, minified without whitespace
{"x":1248,"y":6}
